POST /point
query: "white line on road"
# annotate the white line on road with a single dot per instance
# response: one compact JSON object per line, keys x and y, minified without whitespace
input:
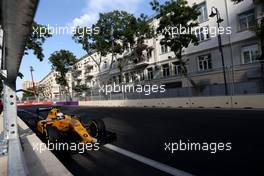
{"x":147,"y":161}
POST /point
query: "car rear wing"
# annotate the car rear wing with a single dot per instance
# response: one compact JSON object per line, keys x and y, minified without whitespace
{"x":44,"y":109}
{"x":39,"y":110}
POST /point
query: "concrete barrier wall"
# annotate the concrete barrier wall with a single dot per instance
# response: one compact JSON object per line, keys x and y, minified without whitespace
{"x":248,"y":101}
{"x":211,"y":102}
{"x":168,"y":102}
{"x":254,"y":101}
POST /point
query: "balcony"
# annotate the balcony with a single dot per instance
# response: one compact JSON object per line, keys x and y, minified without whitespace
{"x":88,"y":75}
{"x":142,"y":62}
{"x":88,"y":66}
{"x":76,"y":73}
{"x":141,"y":55}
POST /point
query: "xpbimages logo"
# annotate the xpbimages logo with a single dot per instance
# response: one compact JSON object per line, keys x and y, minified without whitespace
{"x":146,"y":89}
{"x":212,"y":147}
{"x":65,"y":30}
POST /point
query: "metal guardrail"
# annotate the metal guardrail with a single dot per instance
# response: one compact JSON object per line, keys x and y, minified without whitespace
{"x":14,"y":15}
{"x":245,"y":79}
{"x":16,"y":164}
{"x":252,"y":87}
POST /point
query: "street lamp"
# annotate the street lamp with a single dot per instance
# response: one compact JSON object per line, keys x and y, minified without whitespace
{"x":215,"y":12}
{"x":33,"y":83}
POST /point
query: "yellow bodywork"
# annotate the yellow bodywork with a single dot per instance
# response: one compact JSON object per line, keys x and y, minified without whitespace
{"x":67,"y":124}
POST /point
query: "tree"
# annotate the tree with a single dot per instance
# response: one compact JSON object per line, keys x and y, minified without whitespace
{"x":118,"y":32}
{"x":133,"y":38}
{"x":85,"y":37}
{"x":29,"y":93}
{"x":36,"y":39}
{"x":177,"y":15}
{"x":79,"y":89}
{"x":62,"y":61}
{"x":40,"y":90}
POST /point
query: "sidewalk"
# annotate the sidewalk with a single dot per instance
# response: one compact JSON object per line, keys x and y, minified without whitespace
{"x":3,"y":159}
{"x":44,"y":163}
{"x":38,"y":163}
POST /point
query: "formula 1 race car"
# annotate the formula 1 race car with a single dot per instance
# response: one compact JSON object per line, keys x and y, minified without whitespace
{"x":59,"y":127}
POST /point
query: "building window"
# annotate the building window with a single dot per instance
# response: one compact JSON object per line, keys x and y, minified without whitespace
{"x":141,"y":75}
{"x":105,"y":65}
{"x":164,"y":49}
{"x":127,"y":77}
{"x":176,"y":68}
{"x":150,"y":73}
{"x":119,"y":79}
{"x":205,"y":62}
{"x":149,"y":53}
{"x":246,"y":20}
{"x":202,"y":8}
{"x":114,"y":79}
{"x":133,"y":76}
{"x":250,"y":54}
{"x":202,"y":33}
{"x":165,"y":70}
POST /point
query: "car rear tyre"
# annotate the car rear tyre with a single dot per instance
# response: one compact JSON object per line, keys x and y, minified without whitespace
{"x":53,"y":135}
{"x":96,"y":128}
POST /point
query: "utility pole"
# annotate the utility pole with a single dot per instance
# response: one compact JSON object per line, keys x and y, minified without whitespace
{"x":215,"y":12}
{"x":34,"y":88}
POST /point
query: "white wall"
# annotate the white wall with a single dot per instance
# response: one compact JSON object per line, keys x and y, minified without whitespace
{"x":237,"y":102}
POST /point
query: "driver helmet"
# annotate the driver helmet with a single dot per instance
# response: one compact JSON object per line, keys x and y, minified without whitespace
{"x":60,"y":115}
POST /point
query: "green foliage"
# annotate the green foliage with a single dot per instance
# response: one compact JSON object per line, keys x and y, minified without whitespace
{"x":80,"y":88}
{"x":62,"y":61}
{"x":20,"y":75}
{"x":118,"y":31}
{"x":176,"y":15}
{"x":36,"y":40}
{"x":40,"y":90}
{"x":114,"y":28}
{"x":84,"y":36}
{"x":29,"y":93}
{"x":75,"y":72}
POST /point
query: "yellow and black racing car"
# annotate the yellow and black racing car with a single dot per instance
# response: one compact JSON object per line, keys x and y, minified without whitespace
{"x":59,"y":127}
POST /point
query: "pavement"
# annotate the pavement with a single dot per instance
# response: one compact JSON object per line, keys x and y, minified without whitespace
{"x":144,"y":133}
{"x":3,"y":158}
{"x":38,"y":162}
{"x":3,"y":165}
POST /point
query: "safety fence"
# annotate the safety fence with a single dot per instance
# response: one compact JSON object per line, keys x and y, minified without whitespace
{"x":233,"y":102}
{"x":245,"y":79}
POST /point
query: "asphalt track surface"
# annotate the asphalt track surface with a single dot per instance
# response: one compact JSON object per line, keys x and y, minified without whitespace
{"x":144,"y":131}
